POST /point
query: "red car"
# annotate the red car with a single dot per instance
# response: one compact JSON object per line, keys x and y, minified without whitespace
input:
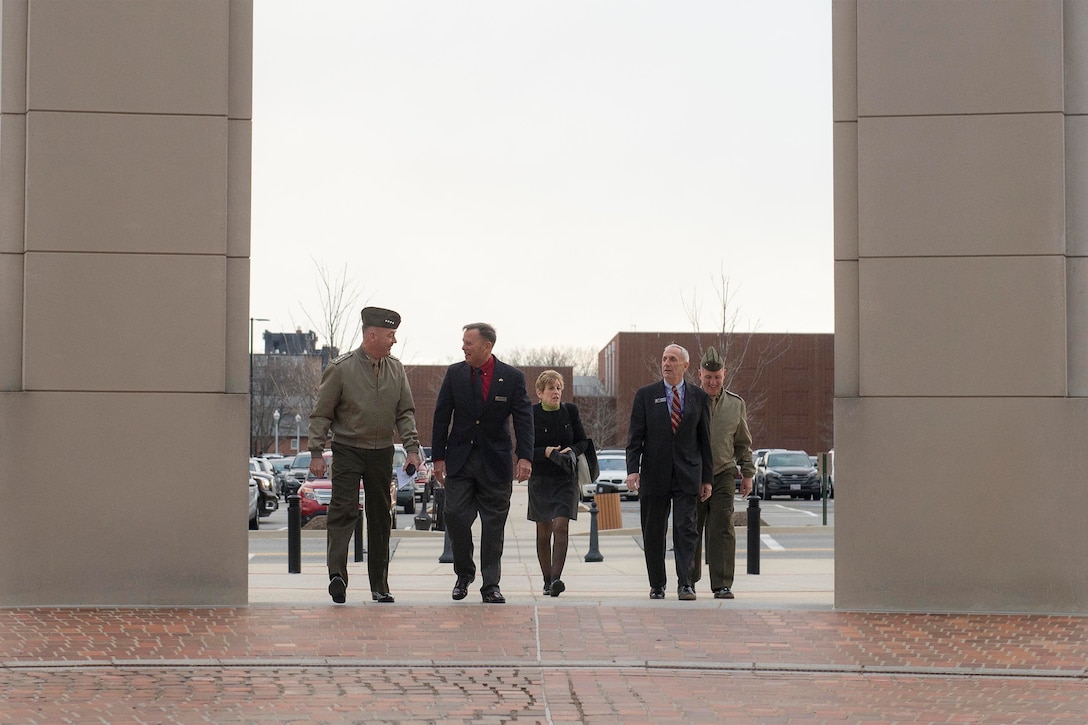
{"x":316,"y":493}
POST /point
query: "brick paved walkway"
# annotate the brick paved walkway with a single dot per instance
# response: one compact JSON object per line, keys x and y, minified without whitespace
{"x":467,"y":662}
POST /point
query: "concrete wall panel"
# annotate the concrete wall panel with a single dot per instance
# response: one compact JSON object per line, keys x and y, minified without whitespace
{"x":1075,"y":20}
{"x":239,"y":186}
{"x":119,"y":56}
{"x":1077,"y":304}
{"x":237,"y":343}
{"x":846,"y":190}
{"x":132,"y":532}
{"x":240,"y":86}
{"x":126,"y":183}
{"x":844,"y":59}
{"x":962,"y":185}
{"x":846,"y":329}
{"x":13,"y":56}
{"x":12,"y":182}
{"x":125,"y":322}
{"x":963,"y":326}
{"x":938,"y":507}
{"x":11,"y":322}
{"x":1076,"y":184}
{"x":934,"y":57}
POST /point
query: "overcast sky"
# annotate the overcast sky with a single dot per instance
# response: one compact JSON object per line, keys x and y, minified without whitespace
{"x":565,"y":170}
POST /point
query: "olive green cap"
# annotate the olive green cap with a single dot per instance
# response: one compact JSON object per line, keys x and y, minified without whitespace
{"x":712,"y":361}
{"x":380,"y":317}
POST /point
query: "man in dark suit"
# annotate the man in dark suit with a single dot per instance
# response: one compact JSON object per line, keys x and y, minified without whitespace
{"x":670,"y":464}
{"x":473,"y":455}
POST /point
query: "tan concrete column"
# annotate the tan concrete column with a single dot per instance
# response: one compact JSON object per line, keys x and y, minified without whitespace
{"x":124,"y":278}
{"x":961,"y":287}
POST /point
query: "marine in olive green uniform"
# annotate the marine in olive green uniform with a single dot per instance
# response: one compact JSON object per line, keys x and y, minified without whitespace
{"x":731,"y":443}
{"x":364,"y":395}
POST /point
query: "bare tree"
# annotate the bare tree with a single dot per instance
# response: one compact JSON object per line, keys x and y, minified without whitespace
{"x":599,"y":417}
{"x":582,"y":360}
{"x":287,"y":383}
{"x":745,"y":360}
{"x":338,"y":299}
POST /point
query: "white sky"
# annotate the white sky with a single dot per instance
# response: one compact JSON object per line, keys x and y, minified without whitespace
{"x":564,"y":170}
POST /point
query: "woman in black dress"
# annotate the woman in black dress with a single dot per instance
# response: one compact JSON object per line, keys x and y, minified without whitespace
{"x":553,"y":486}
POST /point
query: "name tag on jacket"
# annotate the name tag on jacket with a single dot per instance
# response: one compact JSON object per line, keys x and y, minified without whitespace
{"x":660,"y":400}
{"x":500,"y":398}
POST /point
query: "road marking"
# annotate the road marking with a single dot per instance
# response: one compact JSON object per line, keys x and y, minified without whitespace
{"x":771,"y":543}
{"x":796,"y":511}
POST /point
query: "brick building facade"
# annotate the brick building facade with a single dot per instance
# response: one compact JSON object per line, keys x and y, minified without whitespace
{"x":786,"y":380}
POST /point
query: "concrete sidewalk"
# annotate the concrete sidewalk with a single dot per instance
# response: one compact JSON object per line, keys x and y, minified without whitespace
{"x":417,"y":577}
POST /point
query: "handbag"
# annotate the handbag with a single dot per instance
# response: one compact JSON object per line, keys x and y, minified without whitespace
{"x":588,"y":468}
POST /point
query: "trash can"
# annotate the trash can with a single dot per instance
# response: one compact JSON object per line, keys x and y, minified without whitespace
{"x":609,"y":515}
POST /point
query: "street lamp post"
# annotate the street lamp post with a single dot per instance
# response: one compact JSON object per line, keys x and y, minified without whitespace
{"x":276,"y":424}
{"x":251,"y":321}
{"x":298,"y":421}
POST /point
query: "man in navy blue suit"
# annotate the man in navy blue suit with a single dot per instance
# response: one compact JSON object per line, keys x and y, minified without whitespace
{"x":473,"y":455}
{"x":670,"y":464}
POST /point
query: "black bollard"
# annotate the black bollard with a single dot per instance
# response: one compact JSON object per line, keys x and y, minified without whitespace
{"x":294,"y":534}
{"x":359,"y":550}
{"x":423,"y":518}
{"x":446,"y":557}
{"x":594,"y":553}
{"x":753,"y":533}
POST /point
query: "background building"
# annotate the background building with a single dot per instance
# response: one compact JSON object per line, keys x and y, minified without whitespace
{"x":785,"y":379}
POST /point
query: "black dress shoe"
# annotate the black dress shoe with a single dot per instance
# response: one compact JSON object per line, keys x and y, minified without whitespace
{"x":338,"y":589}
{"x":557,"y":588}
{"x":657,"y":593}
{"x":723,"y":593}
{"x":383,"y":597}
{"x":494,"y":597}
{"x":460,"y":589}
{"x":686,"y":593}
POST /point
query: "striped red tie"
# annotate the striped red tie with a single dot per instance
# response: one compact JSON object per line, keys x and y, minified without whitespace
{"x":675,"y":412}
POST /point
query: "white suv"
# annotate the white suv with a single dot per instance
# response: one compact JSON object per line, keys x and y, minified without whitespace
{"x":613,"y":465}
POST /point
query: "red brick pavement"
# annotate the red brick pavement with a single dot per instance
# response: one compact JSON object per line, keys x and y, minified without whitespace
{"x":520,"y":663}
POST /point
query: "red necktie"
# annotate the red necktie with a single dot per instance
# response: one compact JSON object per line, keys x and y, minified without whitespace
{"x":675,"y":412}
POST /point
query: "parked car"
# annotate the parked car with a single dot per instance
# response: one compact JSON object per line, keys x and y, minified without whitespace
{"x":758,"y":454}
{"x":300,"y":471}
{"x":254,"y":504}
{"x":831,"y":474}
{"x":270,"y":500}
{"x":265,"y":466}
{"x":787,"y":473}
{"x":409,"y":491}
{"x":613,"y":476}
{"x":315,"y":493}
{"x":830,"y":471}
{"x":281,"y":468}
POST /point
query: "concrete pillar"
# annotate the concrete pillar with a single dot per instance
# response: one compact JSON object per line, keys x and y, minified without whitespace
{"x":124,"y":287}
{"x":961,"y":237}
